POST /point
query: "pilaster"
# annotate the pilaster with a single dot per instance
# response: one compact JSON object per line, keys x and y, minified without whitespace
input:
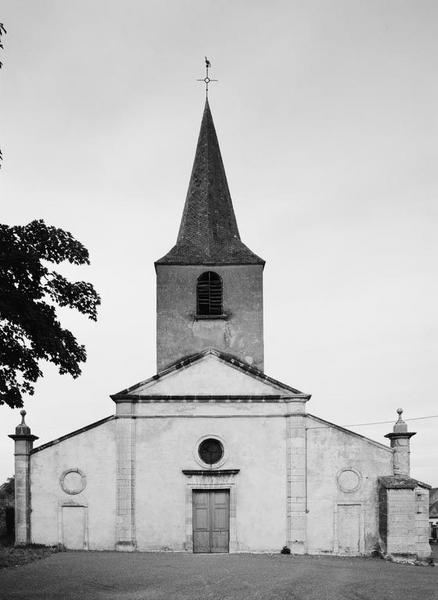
{"x":125,"y":505}
{"x":296,"y":484}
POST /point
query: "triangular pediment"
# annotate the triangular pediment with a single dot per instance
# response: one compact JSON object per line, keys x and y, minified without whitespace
{"x":210,"y":373}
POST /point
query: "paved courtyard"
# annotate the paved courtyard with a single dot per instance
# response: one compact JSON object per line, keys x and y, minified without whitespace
{"x":141,"y":576}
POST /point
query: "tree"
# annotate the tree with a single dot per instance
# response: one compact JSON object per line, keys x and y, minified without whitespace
{"x":29,"y":293}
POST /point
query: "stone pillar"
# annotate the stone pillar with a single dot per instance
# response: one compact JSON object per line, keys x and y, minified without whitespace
{"x":401,"y":446}
{"x":23,"y":445}
{"x":296,"y":484}
{"x":403,"y":502}
{"x":125,"y":520}
{"x":397,"y":516}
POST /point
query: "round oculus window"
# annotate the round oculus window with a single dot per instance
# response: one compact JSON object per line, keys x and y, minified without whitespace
{"x":210,"y":451}
{"x":349,"y":480}
{"x":73,"y":481}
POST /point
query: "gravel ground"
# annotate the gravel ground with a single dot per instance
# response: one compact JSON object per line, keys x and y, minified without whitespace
{"x":167,"y":576}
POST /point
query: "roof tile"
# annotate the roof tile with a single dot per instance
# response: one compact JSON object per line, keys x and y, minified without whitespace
{"x":208,"y":232}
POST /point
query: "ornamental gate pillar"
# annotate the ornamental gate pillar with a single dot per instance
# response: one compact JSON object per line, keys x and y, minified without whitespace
{"x":24,"y":440}
{"x":403,"y":502}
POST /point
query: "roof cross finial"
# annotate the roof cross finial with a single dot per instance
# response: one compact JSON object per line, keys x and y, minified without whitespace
{"x":207,"y":79}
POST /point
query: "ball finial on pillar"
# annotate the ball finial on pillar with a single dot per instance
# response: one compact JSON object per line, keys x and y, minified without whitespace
{"x":22,"y":428}
{"x":400,"y":426}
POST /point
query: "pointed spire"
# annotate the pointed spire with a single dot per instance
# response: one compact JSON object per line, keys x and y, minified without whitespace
{"x":208,"y":233}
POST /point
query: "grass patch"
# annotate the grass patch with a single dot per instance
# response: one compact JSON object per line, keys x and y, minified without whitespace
{"x":10,"y":556}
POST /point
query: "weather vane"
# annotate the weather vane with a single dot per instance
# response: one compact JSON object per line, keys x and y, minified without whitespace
{"x":207,"y":79}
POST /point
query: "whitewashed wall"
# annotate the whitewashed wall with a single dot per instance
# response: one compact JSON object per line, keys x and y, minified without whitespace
{"x":165,"y":441}
{"x":255,"y":445}
{"x":330,"y":452}
{"x":93,"y":453}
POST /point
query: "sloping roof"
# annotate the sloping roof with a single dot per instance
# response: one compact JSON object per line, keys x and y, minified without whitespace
{"x":72,"y":434}
{"x":395,"y":482}
{"x":433,"y":510}
{"x":328,"y":424}
{"x":208,"y":232}
{"x":206,"y":386}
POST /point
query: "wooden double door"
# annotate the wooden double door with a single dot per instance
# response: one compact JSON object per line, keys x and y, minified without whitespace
{"x":211,"y":520}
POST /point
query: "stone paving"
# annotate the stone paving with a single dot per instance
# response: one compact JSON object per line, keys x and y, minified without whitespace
{"x":168,"y":576}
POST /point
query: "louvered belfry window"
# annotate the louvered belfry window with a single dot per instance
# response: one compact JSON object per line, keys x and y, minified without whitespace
{"x":209,"y":294}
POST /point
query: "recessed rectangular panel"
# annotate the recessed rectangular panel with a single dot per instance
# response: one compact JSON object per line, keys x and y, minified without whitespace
{"x":73,"y":527}
{"x":201,"y":519}
{"x":348,"y":529}
{"x":220,"y":510}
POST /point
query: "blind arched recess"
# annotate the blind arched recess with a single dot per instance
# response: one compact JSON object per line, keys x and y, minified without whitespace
{"x":209,"y":294}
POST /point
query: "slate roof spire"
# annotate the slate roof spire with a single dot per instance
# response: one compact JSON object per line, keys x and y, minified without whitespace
{"x":208,"y":233}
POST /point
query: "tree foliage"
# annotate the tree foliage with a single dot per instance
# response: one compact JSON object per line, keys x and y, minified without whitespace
{"x":29,"y":293}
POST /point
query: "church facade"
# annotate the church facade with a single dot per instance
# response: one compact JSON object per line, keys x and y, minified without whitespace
{"x":211,"y":454}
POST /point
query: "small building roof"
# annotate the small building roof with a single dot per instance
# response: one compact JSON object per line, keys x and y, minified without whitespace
{"x":433,"y":495}
{"x":401,"y":482}
{"x":208,"y":233}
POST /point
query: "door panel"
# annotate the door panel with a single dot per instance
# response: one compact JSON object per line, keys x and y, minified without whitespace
{"x":349,"y":529}
{"x":201,"y":529}
{"x":202,"y":513}
{"x":220,"y":521}
{"x":220,"y":510}
{"x":211,"y":520}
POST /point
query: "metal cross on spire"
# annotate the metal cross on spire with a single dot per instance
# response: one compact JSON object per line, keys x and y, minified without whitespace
{"x":207,"y":79}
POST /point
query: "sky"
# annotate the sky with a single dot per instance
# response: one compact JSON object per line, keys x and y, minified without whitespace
{"x":326,"y":113}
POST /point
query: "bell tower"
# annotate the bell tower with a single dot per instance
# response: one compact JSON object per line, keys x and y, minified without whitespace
{"x":209,"y":285}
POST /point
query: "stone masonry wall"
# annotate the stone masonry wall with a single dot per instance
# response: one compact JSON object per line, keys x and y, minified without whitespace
{"x":296,"y":483}
{"x":383,"y":516}
{"x":180,"y":333}
{"x":401,"y":522}
{"x":422,"y":522}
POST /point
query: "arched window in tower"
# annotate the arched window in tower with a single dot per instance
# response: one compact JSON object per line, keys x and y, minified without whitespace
{"x":209,"y":294}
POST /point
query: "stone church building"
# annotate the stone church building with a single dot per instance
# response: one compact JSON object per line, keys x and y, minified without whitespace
{"x":211,"y":454}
